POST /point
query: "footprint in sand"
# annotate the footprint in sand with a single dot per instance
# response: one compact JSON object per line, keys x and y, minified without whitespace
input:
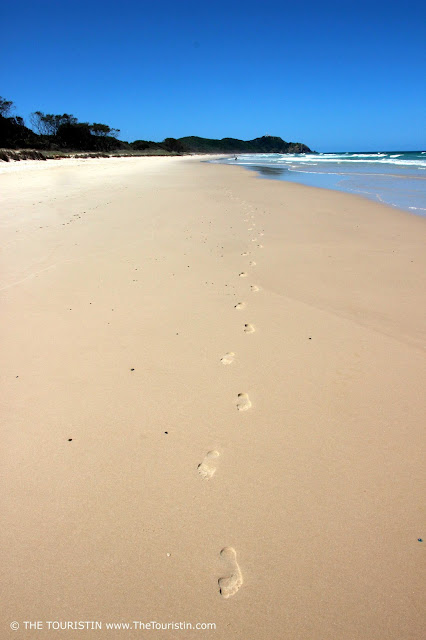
{"x":248,"y":328}
{"x":254,"y":287}
{"x":206,"y":468}
{"x":243,"y":274}
{"x":243,"y":402}
{"x":252,"y":263}
{"x":240,"y":305}
{"x":254,"y":239}
{"x":228,"y":358}
{"x":245,"y":253}
{"x":229,"y":585}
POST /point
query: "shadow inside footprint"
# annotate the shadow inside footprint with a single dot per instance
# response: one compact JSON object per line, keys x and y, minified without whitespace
{"x":240,"y":305}
{"x":243,"y":402}
{"x":254,"y":287}
{"x":206,"y":468}
{"x":248,"y":328}
{"x":229,"y":585}
{"x":243,"y":274}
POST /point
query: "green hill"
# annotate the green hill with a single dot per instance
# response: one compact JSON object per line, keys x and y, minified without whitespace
{"x":265,"y":144}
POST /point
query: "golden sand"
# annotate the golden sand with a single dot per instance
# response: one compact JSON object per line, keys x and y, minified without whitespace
{"x":213,"y":404}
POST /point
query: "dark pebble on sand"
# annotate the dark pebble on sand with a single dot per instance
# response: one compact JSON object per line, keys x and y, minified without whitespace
{"x":419,"y":539}
{"x":69,"y":439}
{"x":166,"y":432}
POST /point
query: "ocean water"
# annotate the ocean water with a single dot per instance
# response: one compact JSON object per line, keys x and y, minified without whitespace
{"x":394,"y":178}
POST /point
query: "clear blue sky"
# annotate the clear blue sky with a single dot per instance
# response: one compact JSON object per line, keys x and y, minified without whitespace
{"x":337,"y":75}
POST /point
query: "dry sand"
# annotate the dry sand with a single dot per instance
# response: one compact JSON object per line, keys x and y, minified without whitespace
{"x":211,"y":381}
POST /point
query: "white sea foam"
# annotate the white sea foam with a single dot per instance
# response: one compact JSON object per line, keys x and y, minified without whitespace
{"x":313,"y":159}
{"x":410,"y":163}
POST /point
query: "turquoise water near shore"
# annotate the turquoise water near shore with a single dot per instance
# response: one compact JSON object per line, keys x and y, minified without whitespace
{"x":395,"y":178}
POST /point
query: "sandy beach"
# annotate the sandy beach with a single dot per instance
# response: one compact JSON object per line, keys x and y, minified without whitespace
{"x":213,"y":404}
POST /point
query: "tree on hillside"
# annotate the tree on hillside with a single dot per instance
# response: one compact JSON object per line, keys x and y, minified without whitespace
{"x":38,"y":124}
{"x":6,"y":107}
{"x":75,"y":135}
{"x":171,"y":144}
{"x":48,"y":124}
{"x":14,"y":134}
{"x":99,"y":129}
{"x":140,"y":145}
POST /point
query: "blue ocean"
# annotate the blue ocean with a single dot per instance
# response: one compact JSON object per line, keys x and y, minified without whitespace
{"x":394,"y":178}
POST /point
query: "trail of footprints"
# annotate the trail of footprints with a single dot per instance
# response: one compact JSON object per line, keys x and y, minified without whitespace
{"x":232,"y":581}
